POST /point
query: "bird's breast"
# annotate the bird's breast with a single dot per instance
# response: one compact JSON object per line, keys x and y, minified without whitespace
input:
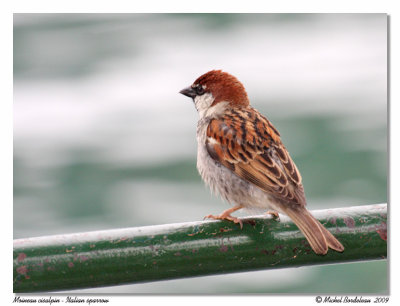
{"x":222,"y":181}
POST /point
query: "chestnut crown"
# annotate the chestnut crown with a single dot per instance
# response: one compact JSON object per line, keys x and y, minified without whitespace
{"x":221,"y":85}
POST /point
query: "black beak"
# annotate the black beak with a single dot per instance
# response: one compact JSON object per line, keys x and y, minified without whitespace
{"x":189,"y":92}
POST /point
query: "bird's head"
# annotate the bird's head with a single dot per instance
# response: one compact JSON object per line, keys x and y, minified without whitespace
{"x":214,"y":91}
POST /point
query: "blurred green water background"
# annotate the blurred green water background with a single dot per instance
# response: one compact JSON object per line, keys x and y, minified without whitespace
{"x":103,"y":140}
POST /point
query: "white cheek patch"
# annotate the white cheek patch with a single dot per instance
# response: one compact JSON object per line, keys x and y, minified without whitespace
{"x":203,"y":103}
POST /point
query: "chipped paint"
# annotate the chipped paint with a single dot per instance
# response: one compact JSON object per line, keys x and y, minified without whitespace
{"x":175,"y":250}
{"x":22,"y":270}
{"x":72,"y":249}
{"x":83,"y":258}
{"x":120,"y":240}
{"x":223,"y":248}
{"x":21,"y":257}
{"x":349,"y":221}
{"x":382,"y":231}
{"x":195,"y":231}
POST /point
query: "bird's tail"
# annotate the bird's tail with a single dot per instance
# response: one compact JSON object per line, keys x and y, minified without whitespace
{"x":317,"y":235}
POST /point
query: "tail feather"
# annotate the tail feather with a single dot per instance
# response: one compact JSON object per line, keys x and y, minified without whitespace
{"x":317,"y":235}
{"x":333,"y":243}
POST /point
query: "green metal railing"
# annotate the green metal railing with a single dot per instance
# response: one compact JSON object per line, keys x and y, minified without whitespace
{"x":171,"y":251}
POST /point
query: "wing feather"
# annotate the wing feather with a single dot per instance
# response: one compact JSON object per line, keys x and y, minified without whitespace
{"x":247,"y":143}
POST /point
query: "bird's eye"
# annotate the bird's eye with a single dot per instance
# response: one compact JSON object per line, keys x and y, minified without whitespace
{"x":199,"y":90}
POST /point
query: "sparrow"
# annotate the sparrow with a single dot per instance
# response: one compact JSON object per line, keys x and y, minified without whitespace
{"x":241,"y":157}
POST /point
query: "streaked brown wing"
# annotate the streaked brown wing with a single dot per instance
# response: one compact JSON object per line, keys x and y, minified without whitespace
{"x":247,"y":143}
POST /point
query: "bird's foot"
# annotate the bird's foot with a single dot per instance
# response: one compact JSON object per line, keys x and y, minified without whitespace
{"x":225,"y":216}
{"x":274,"y":214}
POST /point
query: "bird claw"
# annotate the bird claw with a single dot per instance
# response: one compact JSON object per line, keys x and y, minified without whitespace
{"x":225,"y":217}
{"x":274,"y":214}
